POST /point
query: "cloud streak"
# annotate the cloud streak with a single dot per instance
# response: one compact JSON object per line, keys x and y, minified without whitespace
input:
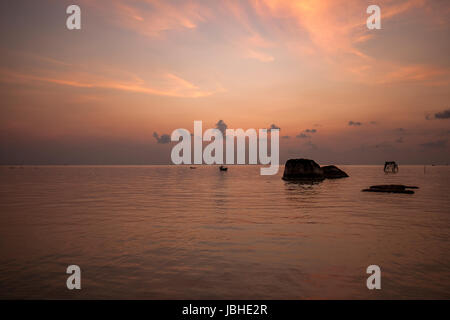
{"x":154,"y":18}
{"x":435,"y":144}
{"x":168,"y":84}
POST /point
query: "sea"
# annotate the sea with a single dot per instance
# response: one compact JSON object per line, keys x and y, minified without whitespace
{"x":172,"y":232}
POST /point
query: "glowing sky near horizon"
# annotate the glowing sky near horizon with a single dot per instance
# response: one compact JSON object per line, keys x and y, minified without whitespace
{"x":339,"y":92}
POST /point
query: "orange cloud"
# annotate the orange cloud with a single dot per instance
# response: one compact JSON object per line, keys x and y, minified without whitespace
{"x":331,"y":29}
{"x":414,"y":73}
{"x":336,"y":28}
{"x":168,"y":84}
{"x":332,"y":25}
{"x":153,"y":17}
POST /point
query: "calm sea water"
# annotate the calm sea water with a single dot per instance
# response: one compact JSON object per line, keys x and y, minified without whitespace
{"x":169,"y":232}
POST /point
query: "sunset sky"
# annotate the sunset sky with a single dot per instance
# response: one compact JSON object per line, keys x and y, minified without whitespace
{"x":339,"y":92}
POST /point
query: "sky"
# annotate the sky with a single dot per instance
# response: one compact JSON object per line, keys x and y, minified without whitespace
{"x":111,"y":92}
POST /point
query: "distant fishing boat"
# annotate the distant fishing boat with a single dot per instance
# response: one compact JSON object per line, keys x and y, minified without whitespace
{"x":222,"y":168}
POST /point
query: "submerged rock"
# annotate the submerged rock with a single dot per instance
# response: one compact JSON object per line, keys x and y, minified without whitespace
{"x":296,"y":169}
{"x":391,"y":188}
{"x":333,"y":172}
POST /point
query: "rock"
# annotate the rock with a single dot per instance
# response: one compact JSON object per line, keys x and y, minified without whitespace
{"x":391,"y":188}
{"x":333,"y":172}
{"x":296,"y":169}
{"x":306,"y":169}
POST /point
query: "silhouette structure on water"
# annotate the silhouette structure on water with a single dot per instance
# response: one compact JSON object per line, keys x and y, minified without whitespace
{"x":390,"y":167}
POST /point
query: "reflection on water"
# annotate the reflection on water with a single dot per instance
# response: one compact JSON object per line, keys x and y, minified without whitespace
{"x":171,"y":232}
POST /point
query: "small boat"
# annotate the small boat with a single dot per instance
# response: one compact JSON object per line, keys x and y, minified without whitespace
{"x":192,"y":167}
{"x":222,"y":168}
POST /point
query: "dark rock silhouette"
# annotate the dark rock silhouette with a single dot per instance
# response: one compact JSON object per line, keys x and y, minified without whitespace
{"x":306,"y":169}
{"x":302,"y":169}
{"x":391,"y":188}
{"x":333,"y":172}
